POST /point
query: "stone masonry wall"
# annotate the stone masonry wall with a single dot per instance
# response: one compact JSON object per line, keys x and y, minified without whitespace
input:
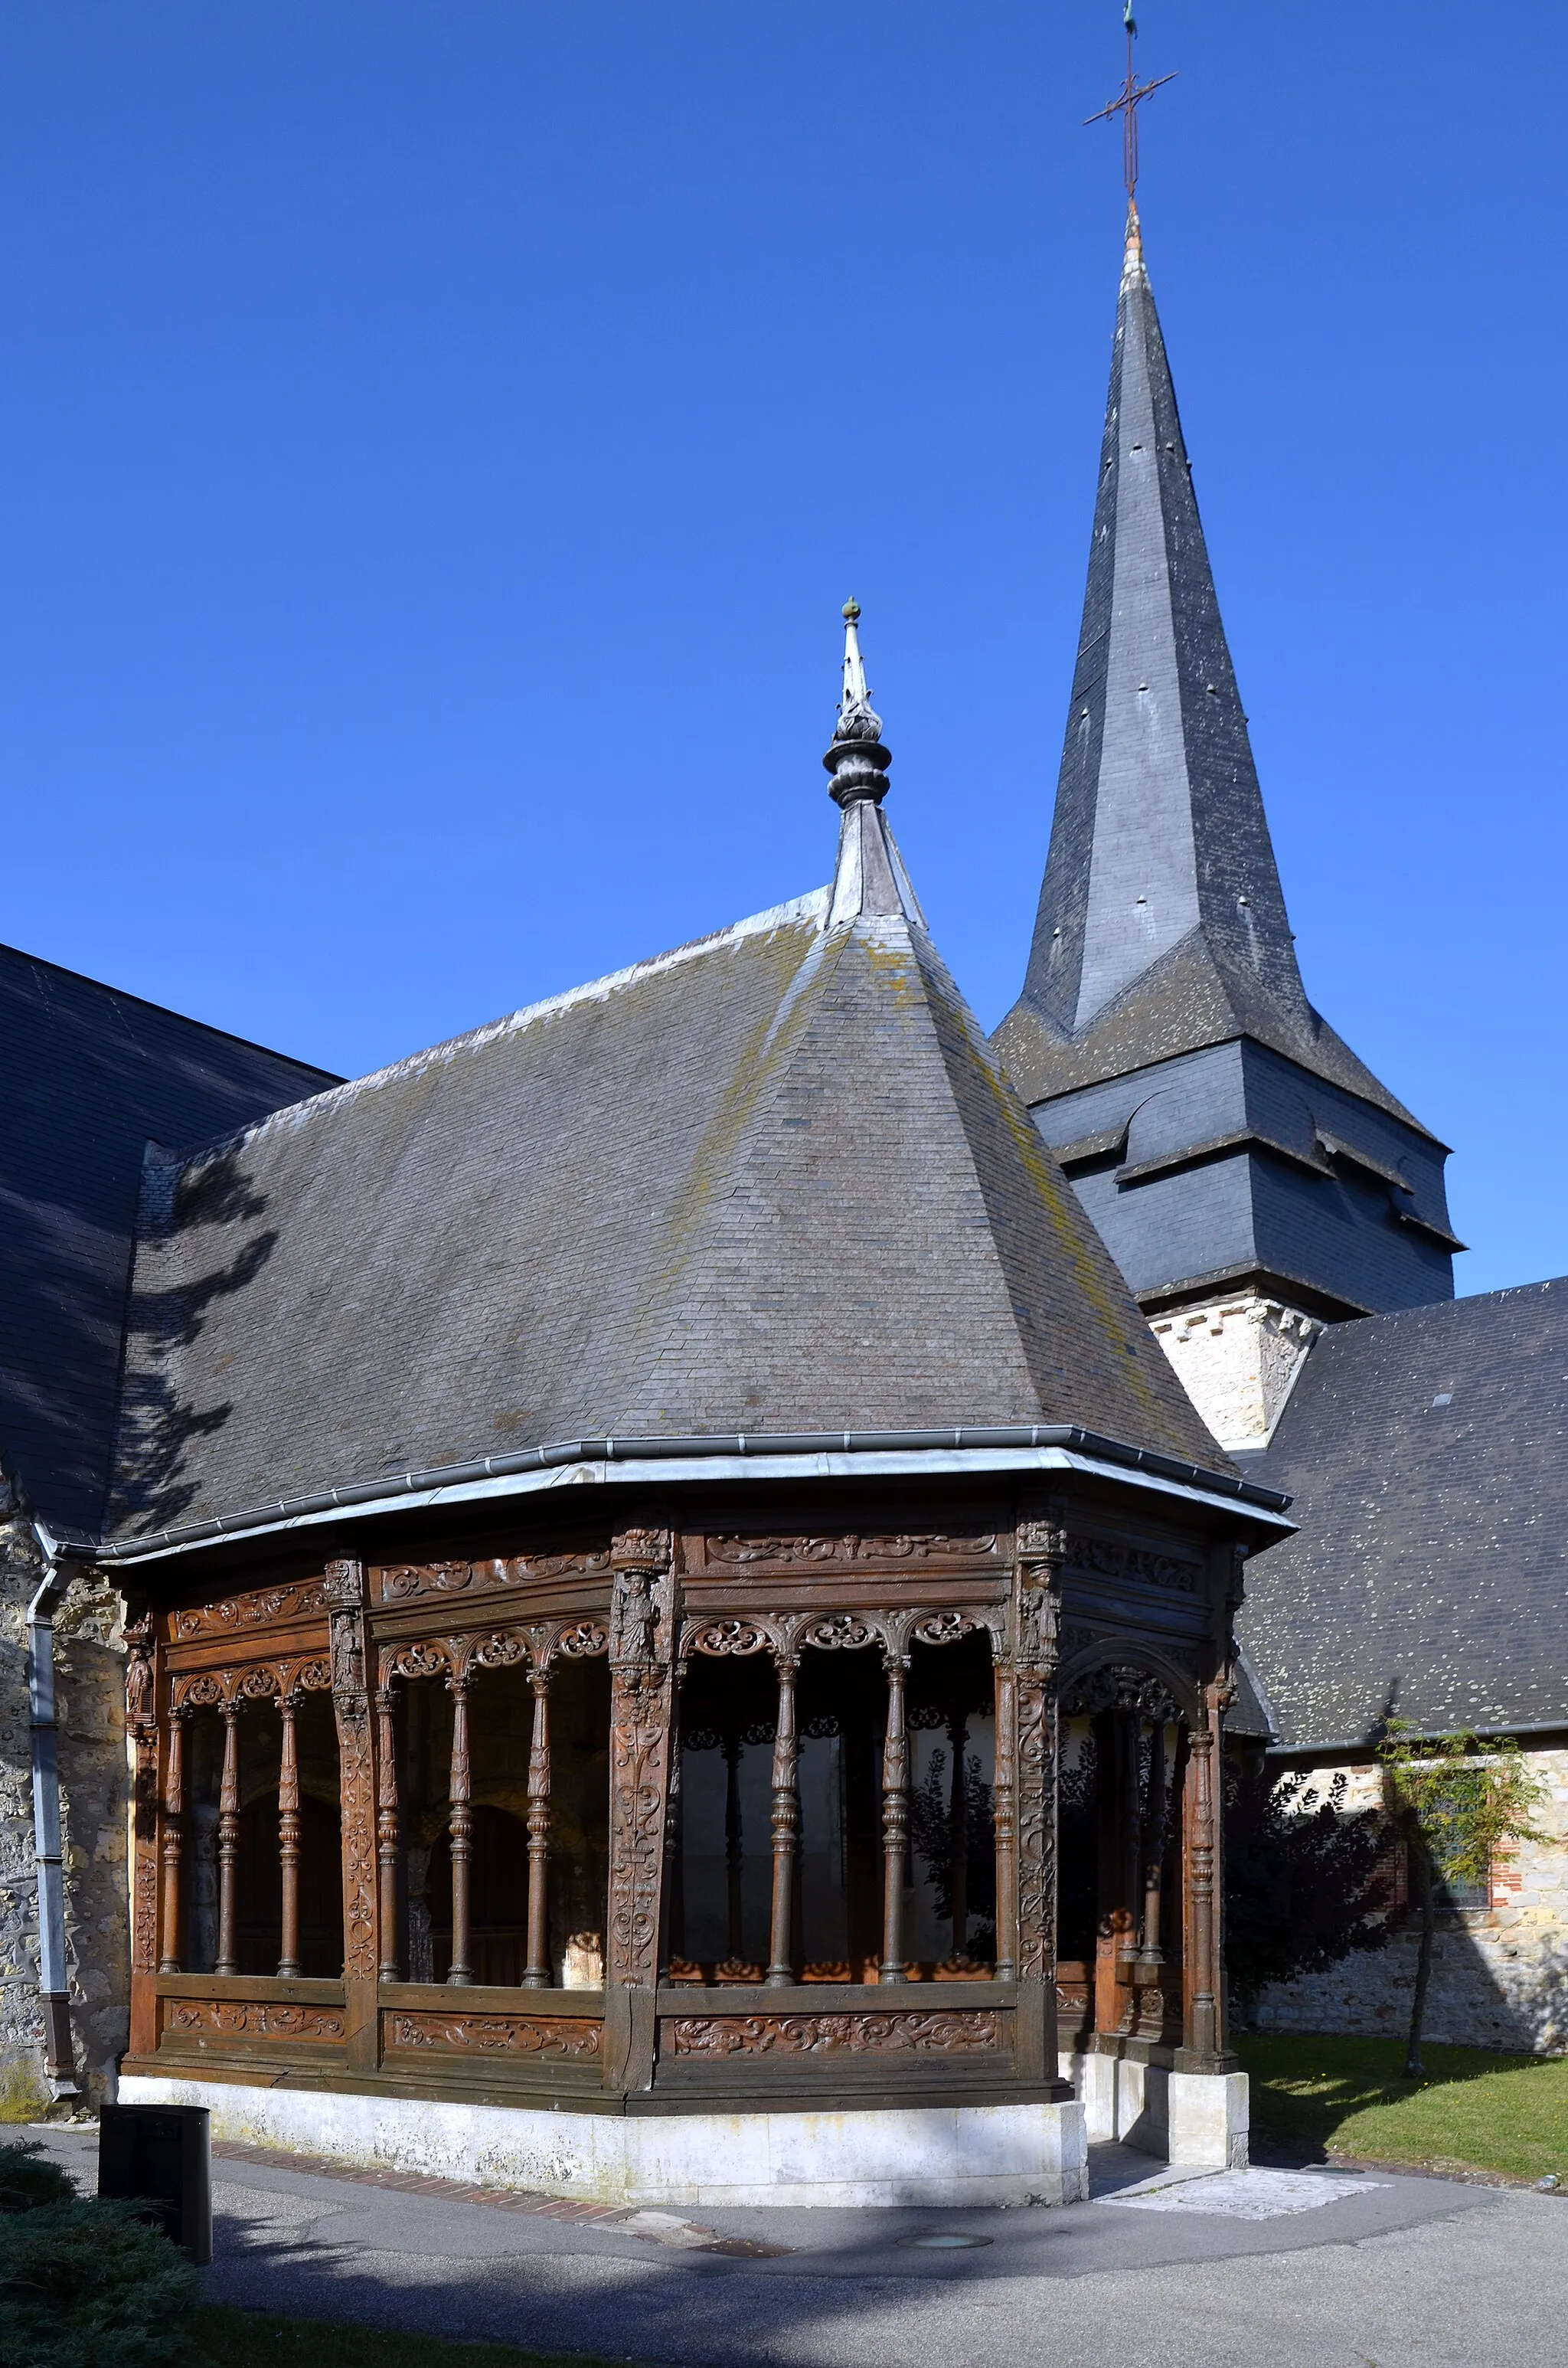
{"x":1237,"y":1357}
{"x":90,"y":1705}
{"x":1499,"y":1975}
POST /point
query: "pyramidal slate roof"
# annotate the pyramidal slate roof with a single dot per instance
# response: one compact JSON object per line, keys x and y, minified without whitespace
{"x":772,"y":1181}
{"x":88,"y":1073}
{"x":1162,"y":924}
{"x":1429,"y":1573}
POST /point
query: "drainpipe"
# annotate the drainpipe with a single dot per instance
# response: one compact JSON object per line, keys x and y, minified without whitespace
{"x":54,"y":1991}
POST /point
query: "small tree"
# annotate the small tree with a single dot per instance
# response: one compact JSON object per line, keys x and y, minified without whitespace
{"x":1304,"y":1877}
{"x":1455,"y":1803}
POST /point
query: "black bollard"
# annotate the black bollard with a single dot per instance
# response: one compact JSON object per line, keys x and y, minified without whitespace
{"x":161,"y":2156}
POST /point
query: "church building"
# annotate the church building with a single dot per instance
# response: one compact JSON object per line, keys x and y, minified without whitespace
{"x":691,"y":1657}
{"x":1280,"y":1218}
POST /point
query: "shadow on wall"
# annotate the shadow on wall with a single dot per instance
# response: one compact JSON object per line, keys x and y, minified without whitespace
{"x":1494,"y":1985}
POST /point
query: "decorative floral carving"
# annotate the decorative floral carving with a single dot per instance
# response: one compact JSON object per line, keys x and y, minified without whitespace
{"x":251,"y":2019}
{"x":971,"y":2032}
{"x":199,"y":1694}
{"x":144,"y":1878}
{"x":500,"y":1650}
{"x":265,"y":1606}
{"x":402,"y":1581}
{"x":500,"y":2034}
{"x":1119,"y":1687}
{"x":421,"y":1660}
{"x":583,"y":1638}
{"x":721,"y":1636}
{"x":943,"y":1628}
{"x":743,"y":1553}
{"x":1106,"y":1560}
{"x":842,"y":1633}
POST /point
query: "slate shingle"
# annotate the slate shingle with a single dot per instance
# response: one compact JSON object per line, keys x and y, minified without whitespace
{"x":1424,"y":1453}
{"x":772,"y":1181}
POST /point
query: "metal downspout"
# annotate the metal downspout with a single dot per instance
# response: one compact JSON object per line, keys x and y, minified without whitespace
{"x":54,"y":1991}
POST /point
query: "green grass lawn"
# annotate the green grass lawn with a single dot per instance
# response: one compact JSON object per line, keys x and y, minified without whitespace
{"x":257,"y":2339}
{"x":1506,"y":2114}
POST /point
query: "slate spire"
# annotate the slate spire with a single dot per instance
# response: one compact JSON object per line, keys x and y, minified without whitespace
{"x":1161,"y":925}
{"x":870,"y":876}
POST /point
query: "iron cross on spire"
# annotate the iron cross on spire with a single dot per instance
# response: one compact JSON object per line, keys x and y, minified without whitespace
{"x":1126,"y":104}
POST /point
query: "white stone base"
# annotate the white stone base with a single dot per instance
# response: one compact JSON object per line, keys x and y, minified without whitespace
{"x":1194,"y":2118}
{"x":1207,"y":2116}
{"x":923,"y":2155}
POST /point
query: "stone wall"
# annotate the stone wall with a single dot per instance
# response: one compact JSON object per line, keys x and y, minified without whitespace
{"x":1237,"y":1357}
{"x":90,"y":1705}
{"x":1499,"y":1973}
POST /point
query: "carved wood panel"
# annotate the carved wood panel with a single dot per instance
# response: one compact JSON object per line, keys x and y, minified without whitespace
{"x":563,"y":2036}
{"x":973,"y":2030}
{"x":252,"y":2019}
{"x":344,"y":1587}
{"x":1102,"y":1558}
{"x":407,"y":1582}
{"x":235,"y":1615}
{"x":764,"y":1553}
{"x":642,"y":1700}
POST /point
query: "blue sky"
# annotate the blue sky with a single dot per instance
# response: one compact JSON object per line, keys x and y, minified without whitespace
{"x":439,"y":437}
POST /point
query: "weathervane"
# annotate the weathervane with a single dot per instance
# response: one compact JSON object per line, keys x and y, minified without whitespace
{"x":1126,"y":104}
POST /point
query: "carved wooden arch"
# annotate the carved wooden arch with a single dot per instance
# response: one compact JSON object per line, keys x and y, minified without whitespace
{"x":788,"y":1634}
{"x":1146,"y":1661}
{"x":256,"y":1682}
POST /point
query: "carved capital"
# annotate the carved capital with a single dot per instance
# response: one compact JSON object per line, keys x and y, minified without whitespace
{"x":648,"y":1550}
{"x":1042,"y":1546}
{"x":343,"y":1586}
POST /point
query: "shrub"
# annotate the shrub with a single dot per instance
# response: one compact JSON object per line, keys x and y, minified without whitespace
{"x":88,"y":2286}
{"x":27,"y":2179}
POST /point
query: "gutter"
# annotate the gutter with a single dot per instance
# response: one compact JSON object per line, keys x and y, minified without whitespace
{"x":54,"y":1981}
{"x":703,"y":1447}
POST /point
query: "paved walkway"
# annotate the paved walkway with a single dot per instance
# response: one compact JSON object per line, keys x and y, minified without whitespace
{"x":1249,"y":2272}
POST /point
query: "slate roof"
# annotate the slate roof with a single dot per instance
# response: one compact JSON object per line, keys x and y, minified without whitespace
{"x":87,"y":1074}
{"x":1423,"y":1451}
{"x":1161,"y":925}
{"x":774,"y":1180}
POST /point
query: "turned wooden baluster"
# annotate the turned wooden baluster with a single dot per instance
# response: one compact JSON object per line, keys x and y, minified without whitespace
{"x":289,"y":1841}
{"x":390,"y":1968}
{"x":174,"y":1843}
{"x":229,"y":1843}
{"x":786,"y":1827}
{"x":459,"y":1829}
{"x":536,"y":1975}
{"x":735,"y":1839}
{"x":896,"y":1820}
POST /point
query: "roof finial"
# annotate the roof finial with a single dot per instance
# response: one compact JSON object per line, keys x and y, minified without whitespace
{"x":857,"y":759}
{"x":1126,"y":104}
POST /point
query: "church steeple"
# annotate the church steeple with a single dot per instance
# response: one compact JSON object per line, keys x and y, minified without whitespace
{"x":1223,"y":1137}
{"x":1162,"y":924}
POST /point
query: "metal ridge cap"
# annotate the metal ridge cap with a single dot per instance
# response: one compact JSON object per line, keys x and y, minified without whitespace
{"x":667,"y":1446}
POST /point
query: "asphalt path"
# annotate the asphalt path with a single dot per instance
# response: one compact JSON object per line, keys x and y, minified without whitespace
{"x":1393,"y":2272}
